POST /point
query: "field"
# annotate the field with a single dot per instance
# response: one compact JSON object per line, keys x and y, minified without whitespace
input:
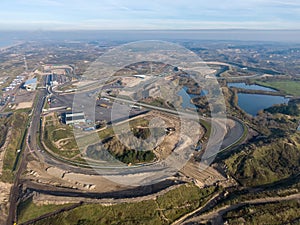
{"x":288,"y":87}
{"x":163,"y":210}
{"x":109,"y":132}
{"x":28,"y":210}
{"x":268,"y":163}
{"x":59,"y":138}
{"x":272,"y":213}
{"x":4,"y":124}
{"x":18,"y":124}
{"x":117,"y":149}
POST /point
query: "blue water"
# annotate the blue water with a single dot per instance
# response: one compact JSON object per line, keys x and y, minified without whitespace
{"x":5,"y":43}
{"x":253,"y":103}
{"x":186,"y":98}
{"x":250,"y":87}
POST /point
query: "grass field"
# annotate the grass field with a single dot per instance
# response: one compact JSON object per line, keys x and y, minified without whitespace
{"x":108,"y":132}
{"x":273,"y":213}
{"x":289,"y":87}
{"x":164,"y":210}
{"x":60,"y":139}
{"x":28,"y":210}
{"x":18,"y":124}
{"x":183,"y":200}
{"x":4,"y":124}
{"x":207,"y":127}
{"x":268,"y":163}
{"x":56,"y":132}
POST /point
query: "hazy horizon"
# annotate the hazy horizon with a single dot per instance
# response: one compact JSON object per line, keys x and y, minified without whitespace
{"x":249,"y":20}
{"x":134,"y":35}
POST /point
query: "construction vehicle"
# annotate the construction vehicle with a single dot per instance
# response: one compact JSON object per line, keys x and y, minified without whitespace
{"x":103,"y":105}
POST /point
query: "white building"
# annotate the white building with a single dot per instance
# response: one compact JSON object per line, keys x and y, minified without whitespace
{"x":31,"y":84}
{"x":74,"y":118}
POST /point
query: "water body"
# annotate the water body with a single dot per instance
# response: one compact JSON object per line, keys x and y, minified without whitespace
{"x":6,"y":41}
{"x":250,"y":87}
{"x":222,"y":70}
{"x":186,"y":98}
{"x":253,"y":103}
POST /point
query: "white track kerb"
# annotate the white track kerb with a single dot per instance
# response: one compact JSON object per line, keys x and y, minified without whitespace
{"x":156,"y":85}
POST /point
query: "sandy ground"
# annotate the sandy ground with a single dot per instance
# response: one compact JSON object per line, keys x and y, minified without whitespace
{"x":133,"y":81}
{"x":182,"y":127}
{"x":54,"y":176}
{"x":24,"y":105}
{"x":82,"y":83}
{"x":4,"y":201}
{"x":24,"y":99}
{"x":43,"y":199}
{"x":202,"y":174}
{"x":129,"y":83}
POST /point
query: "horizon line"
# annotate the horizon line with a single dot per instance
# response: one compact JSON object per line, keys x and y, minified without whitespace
{"x":159,"y":29}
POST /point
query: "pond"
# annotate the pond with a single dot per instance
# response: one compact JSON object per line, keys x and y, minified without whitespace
{"x":250,"y":87}
{"x":253,"y":103}
{"x":186,"y":98}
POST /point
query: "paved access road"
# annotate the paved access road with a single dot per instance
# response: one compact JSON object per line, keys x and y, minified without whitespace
{"x":31,"y":144}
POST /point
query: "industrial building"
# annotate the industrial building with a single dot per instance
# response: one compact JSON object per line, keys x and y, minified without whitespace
{"x":74,"y":118}
{"x":31,"y":84}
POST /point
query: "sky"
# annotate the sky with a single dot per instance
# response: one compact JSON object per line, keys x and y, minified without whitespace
{"x":153,"y":14}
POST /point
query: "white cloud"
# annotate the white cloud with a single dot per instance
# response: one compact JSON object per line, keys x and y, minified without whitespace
{"x":155,"y":14}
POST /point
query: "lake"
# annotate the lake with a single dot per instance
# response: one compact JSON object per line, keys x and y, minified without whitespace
{"x":186,"y":98}
{"x":250,"y":103}
{"x":250,"y":87}
{"x":253,"y":103}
